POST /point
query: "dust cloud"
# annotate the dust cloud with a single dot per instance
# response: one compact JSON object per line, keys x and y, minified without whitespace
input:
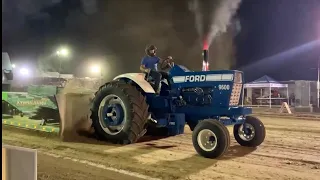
{"x":74,"y":103}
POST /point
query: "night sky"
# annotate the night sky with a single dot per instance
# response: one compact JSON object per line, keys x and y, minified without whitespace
{"x":270,"y":27}
{"x":115,"y":32}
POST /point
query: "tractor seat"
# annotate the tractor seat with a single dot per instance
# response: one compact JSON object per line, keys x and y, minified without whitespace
{"x":148,"y":78}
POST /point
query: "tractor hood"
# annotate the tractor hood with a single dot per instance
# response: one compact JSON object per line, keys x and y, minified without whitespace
{"x":225,"y":86}
{"x":181,"y":74}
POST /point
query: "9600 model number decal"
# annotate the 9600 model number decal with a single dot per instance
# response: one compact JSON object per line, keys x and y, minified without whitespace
{"x":224,"y":87}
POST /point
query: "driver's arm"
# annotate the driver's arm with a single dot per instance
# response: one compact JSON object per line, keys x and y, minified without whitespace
{"x":143,"y":67}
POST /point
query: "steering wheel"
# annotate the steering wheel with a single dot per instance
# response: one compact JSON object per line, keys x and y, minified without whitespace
{"x":167,"y":64}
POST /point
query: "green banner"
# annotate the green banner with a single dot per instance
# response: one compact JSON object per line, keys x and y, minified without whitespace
{"x":28,"y":103}
{"x":42,"y":90}
{"x":4,"y":96}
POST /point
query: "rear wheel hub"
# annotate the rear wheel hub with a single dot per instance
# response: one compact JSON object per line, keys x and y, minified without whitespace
{"x":111,"y":114}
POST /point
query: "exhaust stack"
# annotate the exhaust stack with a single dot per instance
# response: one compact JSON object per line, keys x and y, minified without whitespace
{"x":205,"y":54}
{"x":205,"y":63}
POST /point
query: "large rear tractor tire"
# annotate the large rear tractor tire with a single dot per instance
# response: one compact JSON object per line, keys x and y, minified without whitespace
{"x":251,"y":134}
{"x":211,"y":138}
{"x":119,"y":113}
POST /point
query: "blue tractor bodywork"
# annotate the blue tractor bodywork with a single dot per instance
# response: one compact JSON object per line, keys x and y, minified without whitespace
{"x":189,"y":97}
{"x":126,"y":108}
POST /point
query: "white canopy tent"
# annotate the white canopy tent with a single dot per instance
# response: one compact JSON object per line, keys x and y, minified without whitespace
{"x":267,"y":82}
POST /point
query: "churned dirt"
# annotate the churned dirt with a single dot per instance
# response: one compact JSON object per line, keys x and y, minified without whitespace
{"x":291,"y":151}
{"x":50,"y":167}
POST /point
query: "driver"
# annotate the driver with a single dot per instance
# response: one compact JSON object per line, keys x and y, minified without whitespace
{"x":149,"y":64}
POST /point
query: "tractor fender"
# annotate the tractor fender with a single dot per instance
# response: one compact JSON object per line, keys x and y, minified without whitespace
{"x":138,"y":78}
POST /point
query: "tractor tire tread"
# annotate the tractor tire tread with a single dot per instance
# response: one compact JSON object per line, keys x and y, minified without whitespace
{"x":260,"y":132}
{"x":224,"y":138}
{"x":226,"y":132}
{"x":137,"y":114}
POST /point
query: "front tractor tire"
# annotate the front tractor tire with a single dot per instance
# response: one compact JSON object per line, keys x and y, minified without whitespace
{"x":250,"y":134}
{"x":119,"y":113}
{"x":210,"y":138}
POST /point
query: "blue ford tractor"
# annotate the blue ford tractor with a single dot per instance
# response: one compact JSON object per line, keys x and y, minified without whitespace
{"x":127,"y":108}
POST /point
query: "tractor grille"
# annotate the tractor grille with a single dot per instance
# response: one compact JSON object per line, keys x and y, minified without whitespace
{"x":235,"y":94}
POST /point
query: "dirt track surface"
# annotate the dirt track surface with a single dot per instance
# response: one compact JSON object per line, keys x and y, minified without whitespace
{"x":291,"y":151}
{"x":51,"y":168}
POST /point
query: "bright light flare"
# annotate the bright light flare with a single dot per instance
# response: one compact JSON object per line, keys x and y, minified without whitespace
{"x":24,"y":71}
{"x":13,"y":66}
{"x":95,"y":69}
{"x":63,"y":52}
{"x":205,"y":66}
